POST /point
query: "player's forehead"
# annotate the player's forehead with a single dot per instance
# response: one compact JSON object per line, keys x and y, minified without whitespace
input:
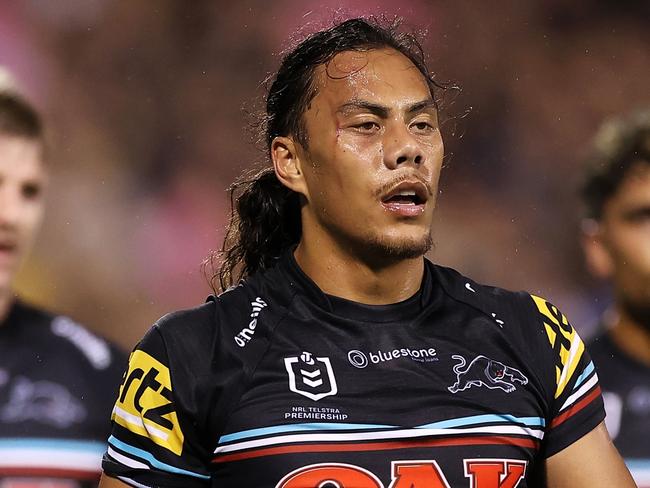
{"x":21,"y":158}
{"x":384,"y":75}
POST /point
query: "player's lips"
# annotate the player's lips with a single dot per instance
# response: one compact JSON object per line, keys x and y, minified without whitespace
{"x":407,"y":198}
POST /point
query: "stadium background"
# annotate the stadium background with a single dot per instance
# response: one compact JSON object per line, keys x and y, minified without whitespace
{"x":147,"y":103}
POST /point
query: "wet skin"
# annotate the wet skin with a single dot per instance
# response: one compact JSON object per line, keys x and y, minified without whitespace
{"x":369,"y":174}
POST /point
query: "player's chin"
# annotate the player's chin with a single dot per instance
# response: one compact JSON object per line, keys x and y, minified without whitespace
{"x":405,"y":245}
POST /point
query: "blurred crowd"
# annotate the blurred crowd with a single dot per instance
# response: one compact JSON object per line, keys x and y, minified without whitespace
{"x":152,"y":107}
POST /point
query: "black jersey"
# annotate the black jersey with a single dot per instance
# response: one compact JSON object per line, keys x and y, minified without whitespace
{"x":57,"y":385}
{"x":275,"y":384}
{"x":626,"y":391}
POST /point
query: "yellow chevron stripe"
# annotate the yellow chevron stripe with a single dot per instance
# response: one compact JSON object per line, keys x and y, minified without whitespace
{"x":569,"y":358}
{"x":573,"y":358}
{"x":551,"y":334}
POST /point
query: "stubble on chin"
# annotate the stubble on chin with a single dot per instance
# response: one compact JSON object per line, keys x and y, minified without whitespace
{"x":398,"y":249}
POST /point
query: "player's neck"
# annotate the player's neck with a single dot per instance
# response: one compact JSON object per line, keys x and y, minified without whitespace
{"x":338,"y":272}
{"x":631,"y":337}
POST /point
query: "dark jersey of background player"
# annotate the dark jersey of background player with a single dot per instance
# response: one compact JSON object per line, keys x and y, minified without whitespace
{"x":56,"y":378}
{"x":57,"y":385}
{"x":330,"y":246}
{"x":617,"y":244}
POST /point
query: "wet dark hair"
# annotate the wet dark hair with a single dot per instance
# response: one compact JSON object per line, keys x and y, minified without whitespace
{"x":620,"y":145}
{"x":18,"y":117}
{"x":265,"y":215}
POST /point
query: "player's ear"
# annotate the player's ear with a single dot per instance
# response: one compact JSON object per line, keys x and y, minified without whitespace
{"x":597,"y":255}
{"x":288,"y":165}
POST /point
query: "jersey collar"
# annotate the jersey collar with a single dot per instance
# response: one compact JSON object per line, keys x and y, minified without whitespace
{"x":402,"y":311}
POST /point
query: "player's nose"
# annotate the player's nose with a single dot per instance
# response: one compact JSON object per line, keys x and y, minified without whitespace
{"x":9,"y":207}
{"x":401,"y":148}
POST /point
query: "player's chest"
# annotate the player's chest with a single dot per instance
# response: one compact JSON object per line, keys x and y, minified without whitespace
{"x":328,"y":372}
{"x":383,"y":405}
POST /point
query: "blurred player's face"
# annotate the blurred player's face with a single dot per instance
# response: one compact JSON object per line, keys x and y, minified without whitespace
{"x":22,"y":181}
{"x":625,"y":238}
{"x":374,"y":155}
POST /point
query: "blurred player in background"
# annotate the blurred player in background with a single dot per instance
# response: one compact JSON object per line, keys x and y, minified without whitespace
{"x":616,"y":193}
{"x":343,"y":358}
{"x":57,"y":380}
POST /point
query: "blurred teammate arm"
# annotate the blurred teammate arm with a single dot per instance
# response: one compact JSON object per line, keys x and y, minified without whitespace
{"x":108,"y":482}
{"x":590,"y":462}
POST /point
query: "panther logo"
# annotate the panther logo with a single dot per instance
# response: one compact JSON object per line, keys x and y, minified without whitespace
{"x":483,"y":371}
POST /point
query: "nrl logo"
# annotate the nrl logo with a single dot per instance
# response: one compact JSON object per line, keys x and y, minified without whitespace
{"x":311,"y":376}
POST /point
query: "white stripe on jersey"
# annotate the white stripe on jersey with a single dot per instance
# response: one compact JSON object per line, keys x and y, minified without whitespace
{"x":573,"y":351}
{"x":379,"y":436}
{"x":581,"y":392}
{"x":132,"y":419}
{"x":126,"y":461}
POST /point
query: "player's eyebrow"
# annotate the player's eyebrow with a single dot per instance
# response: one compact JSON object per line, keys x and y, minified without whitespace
{"x":422,"y":106}
{"x":383,"y":111}
{"x":360,"y":104}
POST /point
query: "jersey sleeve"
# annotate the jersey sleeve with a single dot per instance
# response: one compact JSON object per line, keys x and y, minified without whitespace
{"x":576,"y":404}
{"x":155,"y":438}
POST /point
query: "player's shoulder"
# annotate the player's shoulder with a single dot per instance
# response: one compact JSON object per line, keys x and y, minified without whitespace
{"x":217,"y":312}
{"x":271,"y":285}
{"x":491,"y":300}
{"x":230,"y":320}
{"x":532,"y":325}
{"x":193,"y":319}
{"x":69,"y":339}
